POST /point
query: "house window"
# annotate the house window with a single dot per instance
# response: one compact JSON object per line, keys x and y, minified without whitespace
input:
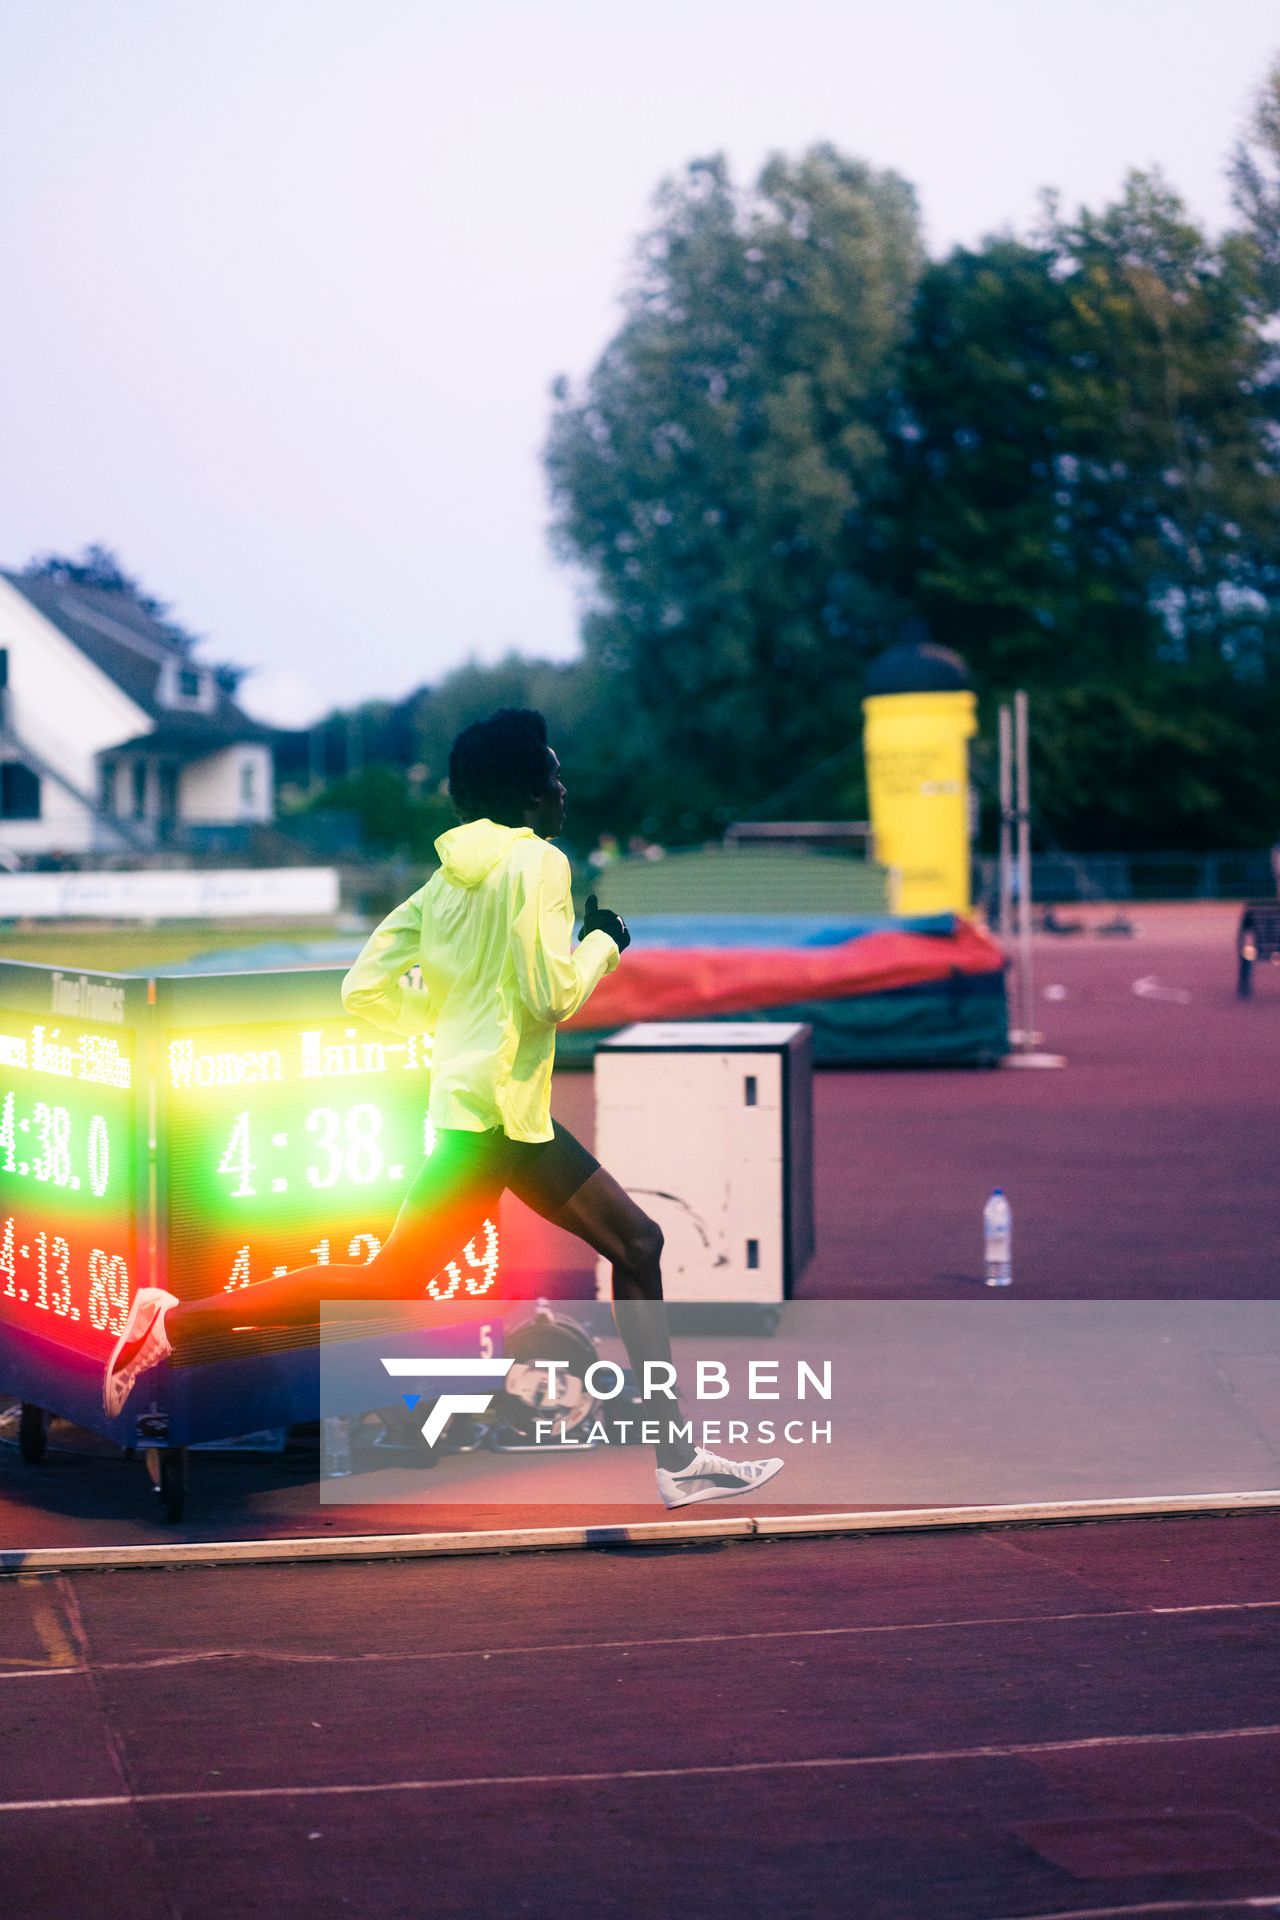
{"x":19,"y":792}
{"x":107,"y":786}
{"x":139,"y":771}
{"x":185,"y":684}
{"x":248,"y":783}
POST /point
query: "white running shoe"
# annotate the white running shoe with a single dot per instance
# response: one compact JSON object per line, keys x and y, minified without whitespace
{"x":142,"y":1344}
{"x":710,"y":1477}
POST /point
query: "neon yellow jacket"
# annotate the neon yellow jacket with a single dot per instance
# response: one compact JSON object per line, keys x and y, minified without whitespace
{"x":492,"y":932}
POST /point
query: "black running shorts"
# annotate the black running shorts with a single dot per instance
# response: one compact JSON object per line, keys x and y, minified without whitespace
{"x":545,"y":1174}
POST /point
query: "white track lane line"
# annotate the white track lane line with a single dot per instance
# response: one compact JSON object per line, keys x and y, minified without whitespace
{"x":1150,"y":988}
{"x":833,"y":1763}
{"x":1208,"y":1906}
{"x":280,"y":1657}
{"x":40,"y":1673}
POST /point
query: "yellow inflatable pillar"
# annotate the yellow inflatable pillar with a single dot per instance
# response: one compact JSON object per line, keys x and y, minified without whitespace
{"x":920,"y":715}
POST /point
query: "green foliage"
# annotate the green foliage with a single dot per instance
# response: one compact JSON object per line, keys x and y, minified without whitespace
{"x":393,"y":816}
{"x":1176,"y":764}
{"x":1086,"y":486}
{"x":1087,"y":503}
{"x":590,"y":722}
{"x":969,"y":509}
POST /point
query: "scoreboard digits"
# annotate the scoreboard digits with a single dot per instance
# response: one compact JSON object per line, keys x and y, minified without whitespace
{"x":348,"y":1146}
{"x":54,"y":1147}
{"x":289,"y":1142}
{"x":68,"y":1170}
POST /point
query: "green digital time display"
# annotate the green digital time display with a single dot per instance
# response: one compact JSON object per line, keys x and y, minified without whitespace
{"x":290,"y":1144}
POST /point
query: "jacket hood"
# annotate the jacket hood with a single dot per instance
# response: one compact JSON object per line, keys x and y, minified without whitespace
{"x":470,"y":852}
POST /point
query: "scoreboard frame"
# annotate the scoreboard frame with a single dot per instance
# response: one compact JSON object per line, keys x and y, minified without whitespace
{"x":274,"y":1383}
{"x":34,"y":1365}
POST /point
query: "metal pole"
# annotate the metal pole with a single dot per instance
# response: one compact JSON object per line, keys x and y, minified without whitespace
{"x":1005,"y":868}
{"x":1029,"y":1037}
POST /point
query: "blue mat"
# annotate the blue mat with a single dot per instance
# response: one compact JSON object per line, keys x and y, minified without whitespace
{"x":773,"y":929}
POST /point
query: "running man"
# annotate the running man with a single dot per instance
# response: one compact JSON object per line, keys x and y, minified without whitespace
{"x":491,"y":933}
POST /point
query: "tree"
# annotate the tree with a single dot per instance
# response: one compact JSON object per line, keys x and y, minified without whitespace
{"x":592,"y":726}
{"x":971,"y":537}
{"x":1254,"y":173}
{"x":1083,"y":484}
{"x":388,"y":762}
{"x":1085,"y":502}
{"x":99,"y":567}
{"x":391,"y":813}
{"x":1128,"y":766}
{"x":1171,"y":495}
{"x":717,"y":474}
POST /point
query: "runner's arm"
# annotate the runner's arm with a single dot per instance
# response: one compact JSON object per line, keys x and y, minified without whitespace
{"x":553,"y":976}
{"x":376,"y":988}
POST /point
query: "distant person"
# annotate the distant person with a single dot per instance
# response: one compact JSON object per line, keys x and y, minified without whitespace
{"x":605,"y":853}
{"x":492,"y":933}
{"x":1275,"y":866}
{"x":638,"y":848}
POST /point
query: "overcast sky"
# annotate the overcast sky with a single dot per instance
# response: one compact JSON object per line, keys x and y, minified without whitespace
{"x":285,"y":282}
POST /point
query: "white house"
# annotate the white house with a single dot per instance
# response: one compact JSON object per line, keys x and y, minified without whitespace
{"x":112,"y":737}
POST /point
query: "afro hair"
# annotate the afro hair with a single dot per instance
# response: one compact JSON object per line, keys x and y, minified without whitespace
{"x":499,"y":765}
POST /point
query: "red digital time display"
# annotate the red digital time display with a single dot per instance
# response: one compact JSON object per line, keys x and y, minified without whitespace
{"x":68,"y":1176}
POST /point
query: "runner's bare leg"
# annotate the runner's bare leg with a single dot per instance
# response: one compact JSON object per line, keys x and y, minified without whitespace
{"x":603,"y":1214}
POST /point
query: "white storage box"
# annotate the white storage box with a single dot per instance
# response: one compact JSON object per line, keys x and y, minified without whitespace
{"x":709,"y":1126}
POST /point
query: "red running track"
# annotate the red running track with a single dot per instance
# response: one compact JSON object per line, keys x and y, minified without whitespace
{"x":1049,"y":1721}
{"x":1146,"y":1169}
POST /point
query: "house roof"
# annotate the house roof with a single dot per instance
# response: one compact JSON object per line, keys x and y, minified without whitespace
{"x":132,"y":648}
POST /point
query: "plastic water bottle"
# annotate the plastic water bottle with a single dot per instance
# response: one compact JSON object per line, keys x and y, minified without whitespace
{"x":997,"y":1240}
{"x":337,"y":1448}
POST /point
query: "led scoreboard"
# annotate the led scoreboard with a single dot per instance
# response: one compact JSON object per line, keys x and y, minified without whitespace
{"x":199,"y":1133}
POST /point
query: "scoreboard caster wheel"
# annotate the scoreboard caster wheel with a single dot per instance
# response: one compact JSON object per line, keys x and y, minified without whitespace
{"x":31,"y":1434}
{"x":167,"y":1467}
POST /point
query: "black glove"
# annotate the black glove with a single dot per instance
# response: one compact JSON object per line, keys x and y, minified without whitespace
{"x":606,"y":921}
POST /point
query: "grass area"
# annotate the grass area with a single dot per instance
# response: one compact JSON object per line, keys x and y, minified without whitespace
{"x":744,"y":880}
{"x":126,"y":949}
{"x":716,"y":880}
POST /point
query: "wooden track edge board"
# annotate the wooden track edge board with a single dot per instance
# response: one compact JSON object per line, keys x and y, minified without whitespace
{"x":406,"y":1546}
